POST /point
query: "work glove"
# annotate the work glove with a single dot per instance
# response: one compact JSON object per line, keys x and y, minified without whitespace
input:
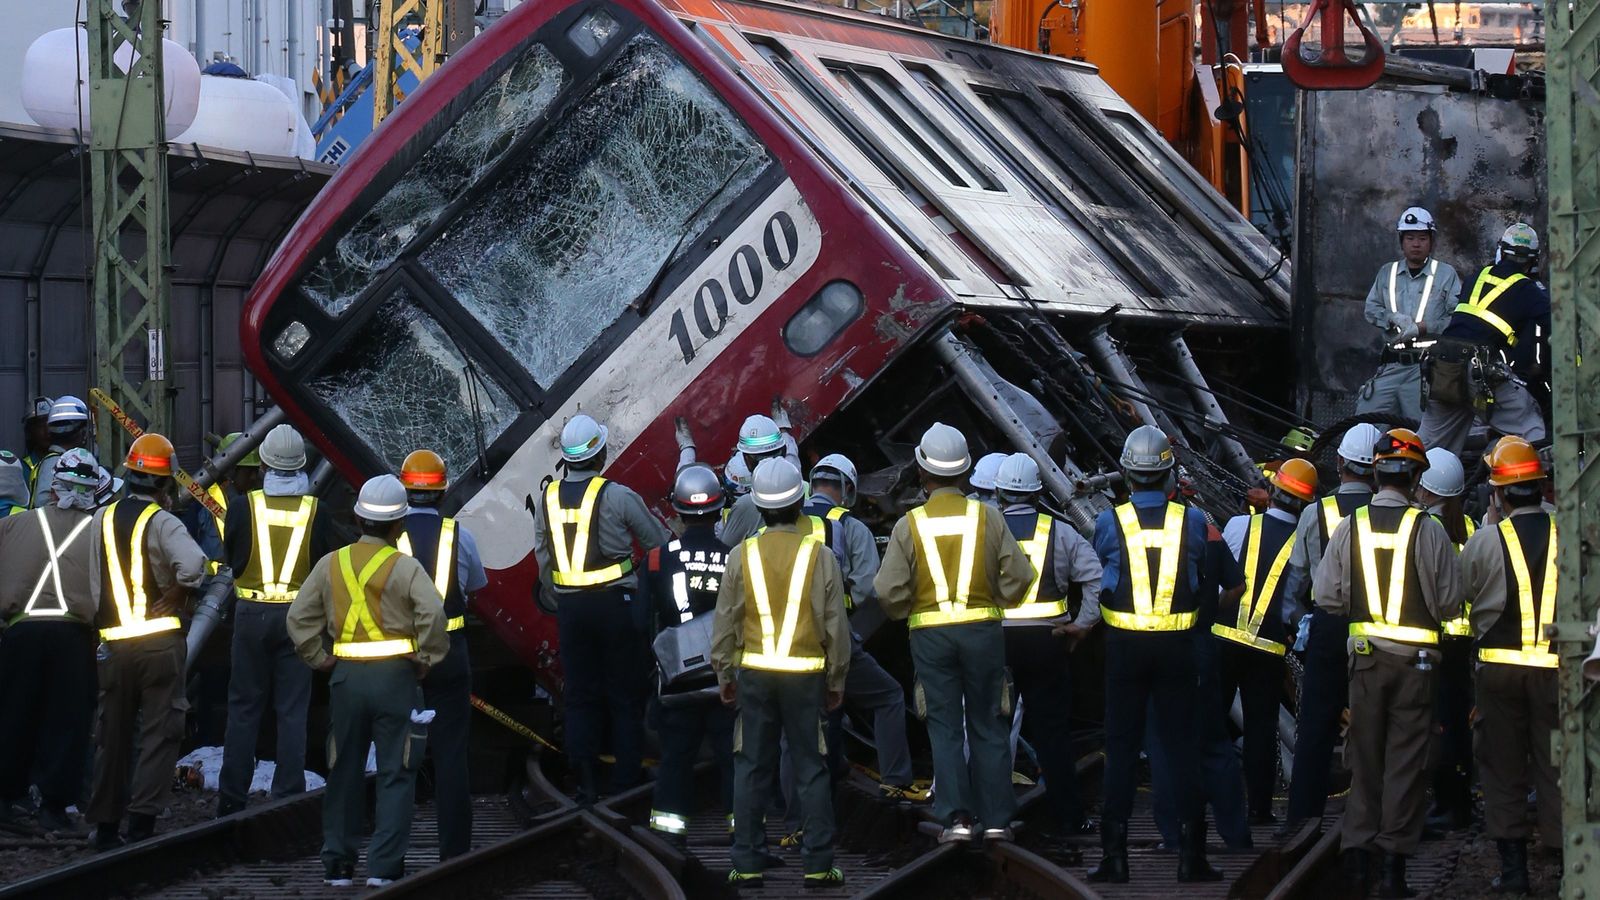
{"x":1406,"y":327}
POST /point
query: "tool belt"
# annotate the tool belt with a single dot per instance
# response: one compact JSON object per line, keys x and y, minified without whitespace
{"x":1405,"y":356}
{"x":1450,"y":372}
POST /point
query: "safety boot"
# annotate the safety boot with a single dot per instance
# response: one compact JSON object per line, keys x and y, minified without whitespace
{"x":141,"y":827}
{"x":1513,"y":868}
{"x":105,"y":837}
{"x":1393,"y":885}
{"x":1192,"y":864}
{"x":1356,"y":865}
{"x":1113,"y":867}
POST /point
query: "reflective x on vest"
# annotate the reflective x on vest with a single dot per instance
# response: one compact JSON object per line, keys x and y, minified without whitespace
{"x":951,"y":599}
{"x":1535,"y":648}
{"x":1478,"y":303}
{"x":775,"y":644}
{"x":52,"y":571}
{"x":1152,"y":610}
{"x":1257,"y":596}
{"x":1461,"y":626}
{"x":277,"y":579}
{"x":1037,"y":548}
{"x":443,"y":563}
{"x":1385,"y":606}
{"x":570,"y":558}
{"x":127,"y":585}
{"x":371,"y":642}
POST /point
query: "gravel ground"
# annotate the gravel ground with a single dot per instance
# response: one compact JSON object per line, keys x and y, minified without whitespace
{"x":23,"y":856}
{"x":1480,"y":864}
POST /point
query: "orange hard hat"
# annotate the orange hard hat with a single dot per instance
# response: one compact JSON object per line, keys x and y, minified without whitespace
{"x":1297,"y":478}
{"x":1513,"y":462}
{"x":152,"y":455}
{"x":1504,"y":439}
{"x":423,"y":470}
{"x":1399,"y":445}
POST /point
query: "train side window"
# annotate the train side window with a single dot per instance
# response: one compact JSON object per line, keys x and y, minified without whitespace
{"x":1180,"y":175}
{"x":823,"y":318}
{"x":884,"y":95}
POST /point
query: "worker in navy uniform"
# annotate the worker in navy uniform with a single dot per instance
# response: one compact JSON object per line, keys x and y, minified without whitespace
{"x":204,"y":526}
{"x":951,"y":569}
{"x":449,"y":553}
{"x":1410,"y":301}
{"x":68,"y":426}
{"x":371,"y":617}
{"x":1439,"y":493}
{"x":47,"y":649}
{"x":1152,"y":552}
{"x":1509,"y":572}
{"x":273,"y":537}
{"x":1041,"y":631}
{"x":781,"y":650}
{"x":680,"y":583}
{"x":143,"y":569}
{"x":1251,"y":629}
{"x":760,"y":438}
{"x":1494,"y":348}
{"x":1324,"y":684}
{"x":1391,"y":570}
{"x":35,"y":441}
{"x":584,"y":530}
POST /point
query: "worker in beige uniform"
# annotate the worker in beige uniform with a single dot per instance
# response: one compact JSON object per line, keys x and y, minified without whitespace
{"x":781,"y":646}
{"x":143,"y":567}
{"x":1516,"y":677}
{"x":951,"y":570}
{"x":47,"y":652}
{"x":371,"y":616}
{"x":1390,"y":568}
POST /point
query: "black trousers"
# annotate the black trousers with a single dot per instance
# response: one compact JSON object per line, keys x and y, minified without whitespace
{"x":47,"y":701}
{"x":1452,"y":707}
{"x":1324,"y":694}
{"x":683,"y":728}
{"x":602,"y":655}
{"x":1258,"y":678}
{"x":1042,"y":675}
{"x":1150,"y":671}
{"x":448,"y":692}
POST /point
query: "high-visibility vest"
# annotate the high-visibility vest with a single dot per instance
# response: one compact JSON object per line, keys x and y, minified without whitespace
{"x":1260,"y":591}
{"x":1479,"y":303}
{"x":953,"y":584}
{"x":577,"y":558}
{"x":1037,"y":546}
{"x":52,"y":573}
{"x":132,"y":590}
{"x":1332,"y":513}
{"x":1461,"y":626}
{"x":359,"y":574}
{"x":781,"y":563}
{"x":272,"y":577}
{"x":1386,"y":613}
{"x":441,"y":565}
{"x":1520,"y":640}
{"x":1152,"y":600}
{"x":33,"y":471}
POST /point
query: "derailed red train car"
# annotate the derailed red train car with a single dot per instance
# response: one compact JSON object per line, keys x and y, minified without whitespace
{"x":606,"y":207}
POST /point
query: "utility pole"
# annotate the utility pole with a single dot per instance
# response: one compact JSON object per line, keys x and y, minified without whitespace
{"x":128,"y":165}
{"x":388,"y":48}
{"x":1573,"y":138}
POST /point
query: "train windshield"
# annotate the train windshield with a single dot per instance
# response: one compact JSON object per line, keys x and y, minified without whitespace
{"x":511,"y":238}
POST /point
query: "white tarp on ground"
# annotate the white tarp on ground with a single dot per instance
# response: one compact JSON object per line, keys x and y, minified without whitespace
{"x":209,"y":762}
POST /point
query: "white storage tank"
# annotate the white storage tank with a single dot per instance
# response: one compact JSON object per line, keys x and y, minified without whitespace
{"x":55,"y":80}
{"x":239,"y":113}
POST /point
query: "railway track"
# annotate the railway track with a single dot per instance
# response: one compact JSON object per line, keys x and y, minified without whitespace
{"x":539,"y":843}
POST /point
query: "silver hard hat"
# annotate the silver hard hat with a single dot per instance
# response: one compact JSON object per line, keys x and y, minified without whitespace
{"x":697,"y":490}
{"x":1147,"y":450}
{"x":759,"y":435}
{"x":776,"y":484}
{"x":943,"y":451}
{"x":835,"y":464}
{"x":1444,"y":477}
{"x":283,"y":449}
{"x":382,"y":499}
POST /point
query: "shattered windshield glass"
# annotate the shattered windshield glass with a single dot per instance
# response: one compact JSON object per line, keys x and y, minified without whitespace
{"x":578,"y":228}
{"x":470,"y":146}
{"x":401,"y":383}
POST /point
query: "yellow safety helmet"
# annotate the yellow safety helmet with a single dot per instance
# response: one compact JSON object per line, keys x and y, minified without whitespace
{"x":423,"y":470}
{"x":1514,"y":461}
{"x":1297,"y":478}
{"x":251,"y":459}
{"x":151,"y":454}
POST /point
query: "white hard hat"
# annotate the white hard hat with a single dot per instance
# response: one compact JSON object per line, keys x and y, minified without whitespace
{"x":77,"y":468}
{"x":1520,"y":239}
{"x":1019,"y":474}
{"x":833,"y":463}
{"x":582,"y":438}
{"x":283,"y":449}
{"x":759,"y":435}
{"x":1444,"y":476}
{"x":1415,"y":219}
{"x":776,"y":484}
{"x":737,"y":475}
{"x":67,"y":414}
{"x":1357,"y":443}
{"x":983,"y":471}
{"x":943,"y":451}
{"x":382,"y":499}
